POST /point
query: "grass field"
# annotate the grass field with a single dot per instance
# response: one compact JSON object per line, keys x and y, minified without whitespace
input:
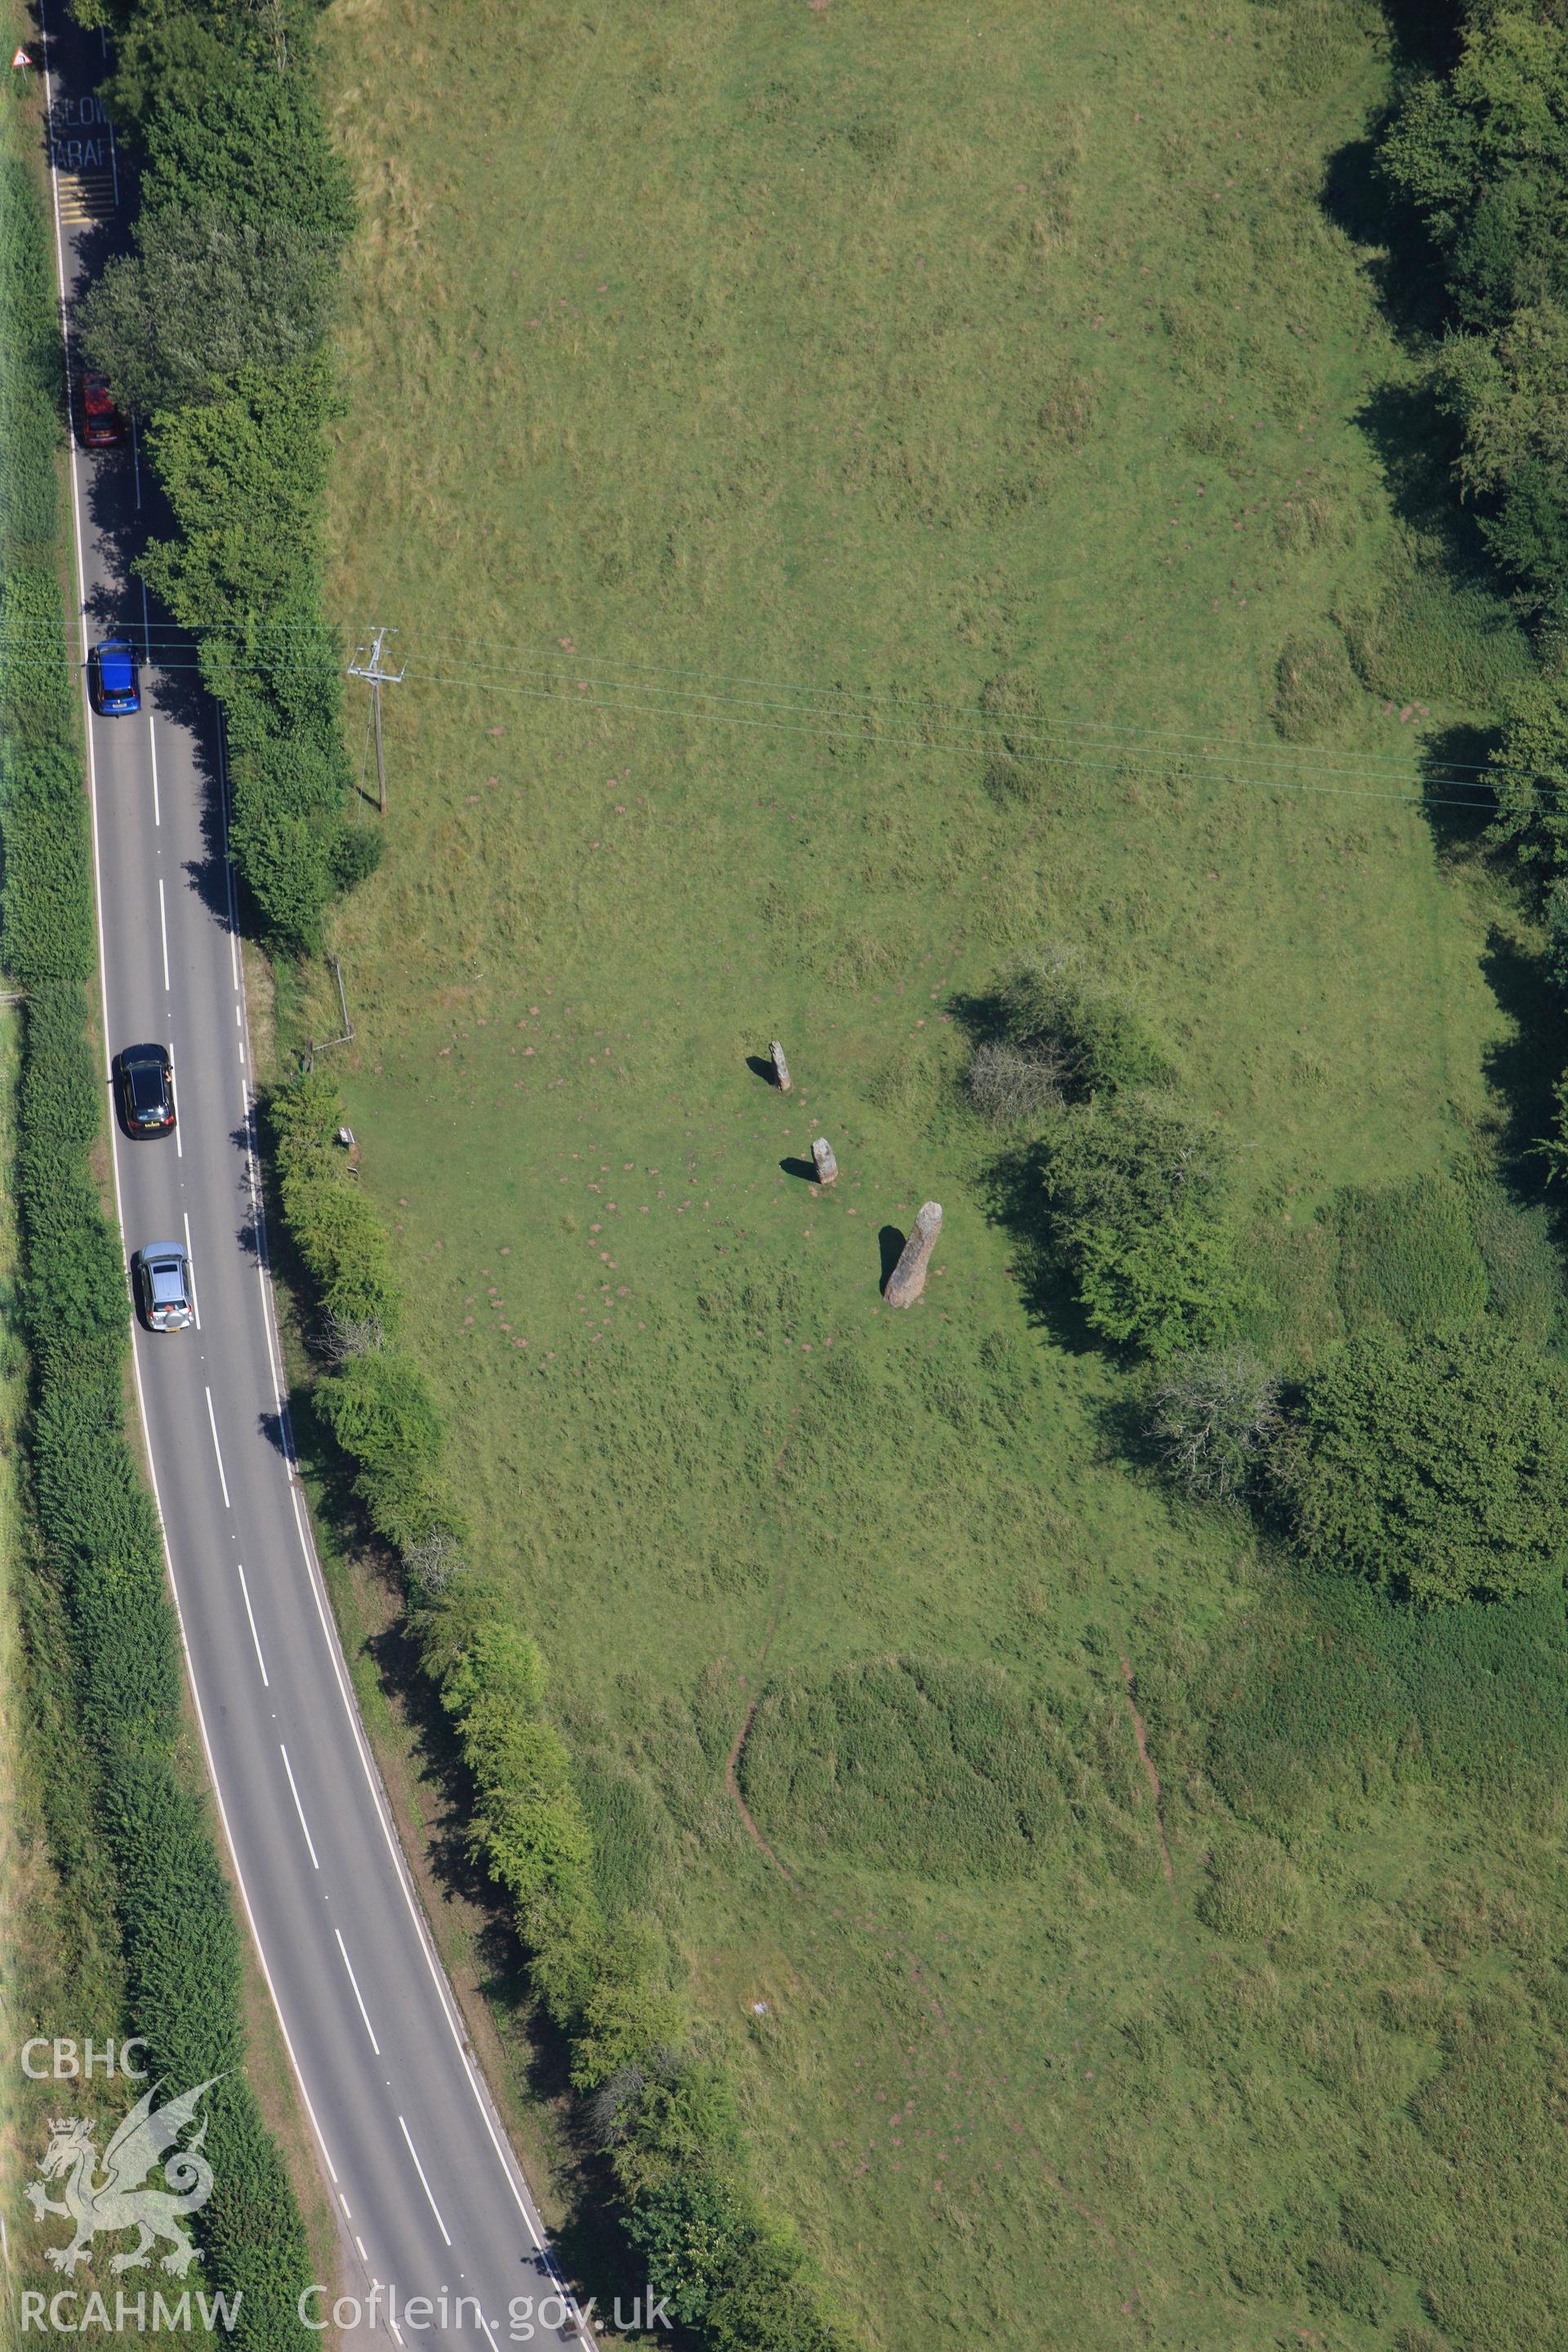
{"x":864,"y":497}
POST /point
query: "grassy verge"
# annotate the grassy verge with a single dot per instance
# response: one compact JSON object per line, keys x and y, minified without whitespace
{"x":993,"y":511}
{"x":123,"y":1797}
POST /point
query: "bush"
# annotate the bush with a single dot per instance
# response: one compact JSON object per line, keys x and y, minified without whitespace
{"x":1137,"y":1199}
{"x":1436,"y":1467}
{"x":204,"y":298}
{"x":1483,"y":157}
{"x":98,"y":1536}
{"x":1213,"y":1417}
{"x":214,"y":328}
{"x":1529,"y":773}
{"x":1050,"y":1008}
{"x":1507,"y":394}
{"x":1010,"y":1084}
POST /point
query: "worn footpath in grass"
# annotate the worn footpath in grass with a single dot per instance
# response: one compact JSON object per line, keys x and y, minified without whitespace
{"x":863,"y":493}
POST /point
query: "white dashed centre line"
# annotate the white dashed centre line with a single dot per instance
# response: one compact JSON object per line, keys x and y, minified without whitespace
{"x":419,"y":2169}
{"x":164,"y":930}
{"x":299,"y":1808}
{"x":253,"y":1635}
{"x":358,"y":1995}
{"x":212,"y":1424}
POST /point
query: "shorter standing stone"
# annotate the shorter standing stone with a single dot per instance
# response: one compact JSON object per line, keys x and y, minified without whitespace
{"x":908,"y":1278}
{"x":780,"y":1067}
{"x":827,"y":1166}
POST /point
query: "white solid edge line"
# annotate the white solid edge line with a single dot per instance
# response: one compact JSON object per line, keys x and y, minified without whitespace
{"x":358,"y":1995}
{"x":522,"y":2195}
{"x":255,"y":1636}
{"x":118,"y":1204}
{"x":212,"y":1424}
{"x":419,"y":2169}
{"x":299,"y":1808}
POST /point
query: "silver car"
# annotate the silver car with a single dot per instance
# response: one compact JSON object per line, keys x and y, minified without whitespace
{"x":163,"y":1287}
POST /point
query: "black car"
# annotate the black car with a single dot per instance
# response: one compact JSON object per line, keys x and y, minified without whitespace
{"x":146,"y":1088}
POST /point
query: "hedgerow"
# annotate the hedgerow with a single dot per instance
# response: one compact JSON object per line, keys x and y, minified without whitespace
{"x":652,"y":2107}
{"x":214,"y":327}
{"x":98,"y":1532}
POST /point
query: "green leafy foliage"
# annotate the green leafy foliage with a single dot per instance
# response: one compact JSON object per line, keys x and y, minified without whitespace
{"x":1436,"y":1467}
{"x":97,"y":1527}
{"x":214,"y":328}
{"x":205,"y":300}
{"x":1483,"y":156}
{"x":1137,"y":1199}
{"x":1529,"y":773}
{"x":1051,"y":1007}
{"x":1509,"y":395}
{"x":669,"y":2136}
{"x":338,"y":1234}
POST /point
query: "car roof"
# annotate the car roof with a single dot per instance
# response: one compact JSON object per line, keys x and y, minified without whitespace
{"x":116,"y":662}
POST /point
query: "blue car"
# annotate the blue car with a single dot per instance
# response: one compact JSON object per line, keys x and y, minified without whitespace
{"x":113,"y":678}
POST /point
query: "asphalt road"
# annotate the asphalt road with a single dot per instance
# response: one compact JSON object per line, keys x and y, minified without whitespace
{"x":430,"y":2196}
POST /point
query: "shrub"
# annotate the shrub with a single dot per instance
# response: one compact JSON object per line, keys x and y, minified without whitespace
{"x":1507,"y":394}
{"x":1213,"y":1417}
{"x":1010,"y":1084}
{"x":204,"y":298}
{"x":1483,"y":157}
{"x":215,"y":325}
{"x":1529,"y":773}
{"x":1137,"y":1199}
{"x":1436,"y":1467}
{"x":1049,"y":1008}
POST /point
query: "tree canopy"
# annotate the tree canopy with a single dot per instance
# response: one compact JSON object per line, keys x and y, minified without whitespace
{"x":1436,"y":1467}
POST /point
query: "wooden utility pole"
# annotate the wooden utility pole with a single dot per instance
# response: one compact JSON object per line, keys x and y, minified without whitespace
{"x":372,"y":665}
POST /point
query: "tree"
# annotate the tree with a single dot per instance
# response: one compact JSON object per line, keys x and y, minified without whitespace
{"x":1137,"y":1196}
{"x":1509,"y":393}
{"x":1529,"y":772}
{"x":1048,"y":1008}
{"x":1213,"y":1417}
{"x":1483,"y":157}
{"x":1435,"y":1467}
{"x":204,"y":298}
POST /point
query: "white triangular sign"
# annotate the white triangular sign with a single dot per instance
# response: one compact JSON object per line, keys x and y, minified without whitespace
{"x":21,"y":58}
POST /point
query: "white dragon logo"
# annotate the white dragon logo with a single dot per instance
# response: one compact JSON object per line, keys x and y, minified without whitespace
{"x":118,"y":2201}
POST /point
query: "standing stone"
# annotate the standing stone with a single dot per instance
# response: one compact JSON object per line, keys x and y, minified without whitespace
{"x":827,"y":1166}
{"x":908,"y":1278}
{"x":780,"y":1067}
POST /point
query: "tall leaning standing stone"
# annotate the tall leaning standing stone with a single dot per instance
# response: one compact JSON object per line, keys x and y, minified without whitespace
{"x":780,"y":1067}
{"x":908,"y":1278}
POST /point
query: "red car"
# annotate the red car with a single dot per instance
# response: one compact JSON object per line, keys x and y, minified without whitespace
{"x":102,"y":425}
